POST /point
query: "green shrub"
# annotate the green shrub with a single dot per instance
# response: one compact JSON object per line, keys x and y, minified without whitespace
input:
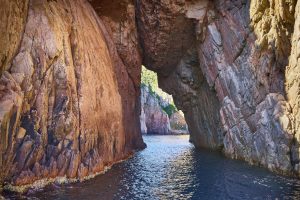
{"x":149,"y":79}
{"x":170,"y":109}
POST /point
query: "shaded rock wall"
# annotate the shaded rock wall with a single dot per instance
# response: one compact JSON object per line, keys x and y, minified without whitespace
{"x":225,"y":67}
{"x":168,"y":38}
{"x":193,"y":96}
{"x":62,"y":101}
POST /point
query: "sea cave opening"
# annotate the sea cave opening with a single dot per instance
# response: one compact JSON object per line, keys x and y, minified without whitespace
{"x":75,"y":99}
{"x":159,"y":114}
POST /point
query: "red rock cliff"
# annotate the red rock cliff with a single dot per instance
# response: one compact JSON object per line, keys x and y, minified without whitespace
{"x":70,"y":75}
{"x":225,"y":62}
{"x":69,"y":104}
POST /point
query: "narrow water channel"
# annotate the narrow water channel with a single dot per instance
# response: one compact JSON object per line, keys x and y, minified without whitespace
{"x":171,"y":168}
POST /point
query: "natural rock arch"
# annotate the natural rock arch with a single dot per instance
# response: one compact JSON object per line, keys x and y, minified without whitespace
{"x":70,"y":75}
{"x":224,"y":63}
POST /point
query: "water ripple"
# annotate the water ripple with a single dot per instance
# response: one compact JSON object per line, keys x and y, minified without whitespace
{"x":171,"y":168}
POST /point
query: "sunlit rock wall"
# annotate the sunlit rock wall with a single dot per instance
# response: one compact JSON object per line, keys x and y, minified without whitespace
{"x":292,"y":86}
{"x":154,"y":120}
{"x":63,"y":107}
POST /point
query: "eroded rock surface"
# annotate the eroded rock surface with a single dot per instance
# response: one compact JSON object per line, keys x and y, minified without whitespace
{"x":229,"y":75}
{"x":158,"y":116}
{"x":70,"y":80}
{"x":292,"y":87}
{"x":178,"y":123}
{"x":153,"y":119}
{"x":13,"y":17}
{"x":63,"y":105}
{"x":122,"y":40}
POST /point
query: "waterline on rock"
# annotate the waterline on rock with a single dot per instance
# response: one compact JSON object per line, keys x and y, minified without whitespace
{"x":172,"y":168}
{"x":39,"y":184}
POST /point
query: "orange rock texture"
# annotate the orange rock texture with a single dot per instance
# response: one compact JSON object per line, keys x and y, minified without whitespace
{"x":68,"y":104}
{"x":70,"y":80}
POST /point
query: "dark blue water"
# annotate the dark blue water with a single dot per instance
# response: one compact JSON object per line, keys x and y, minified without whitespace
{"x":171,"y":168}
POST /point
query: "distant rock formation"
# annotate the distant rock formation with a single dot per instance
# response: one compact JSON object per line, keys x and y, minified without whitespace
{"x":153,"y":117}
{"x":154,"y":120}
{"x":178,"y":124}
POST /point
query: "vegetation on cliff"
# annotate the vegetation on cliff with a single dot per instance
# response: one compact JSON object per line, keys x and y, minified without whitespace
{"x":149,"y":79}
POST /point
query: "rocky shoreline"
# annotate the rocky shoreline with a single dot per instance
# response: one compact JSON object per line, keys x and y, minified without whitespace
{"x":41,"y":183}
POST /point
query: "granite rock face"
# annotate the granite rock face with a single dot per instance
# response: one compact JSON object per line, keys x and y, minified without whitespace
{"x":169,"y":39}
{"x":13,"y":17}
{"x":153,"y":119}
{"x":292,"y":85}
{"x":63,"y":105}
{"x":122,"y":40}
{"x":177,"y":122}
{"x":225,"y":63}
{"x":70,"y":80}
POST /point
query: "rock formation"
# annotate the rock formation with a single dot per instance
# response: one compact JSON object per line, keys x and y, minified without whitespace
{"x":158,"y":111}
{"x":65,"y":93}
{"x":178,"y":124}
{"x":153,"y":119}
{"x":224,"y":62}
{"x":70,"y":80}
{"x":292,"y":85}
{"x":168,"y":39}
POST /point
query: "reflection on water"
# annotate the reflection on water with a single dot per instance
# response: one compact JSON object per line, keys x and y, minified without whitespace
{"x":171,"y":168}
